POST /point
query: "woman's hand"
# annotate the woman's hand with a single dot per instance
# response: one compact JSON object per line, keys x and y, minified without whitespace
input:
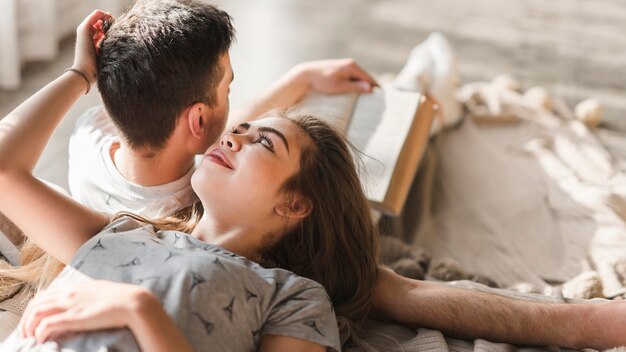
{"x":91,"y":306}
{"x":89,"y":34}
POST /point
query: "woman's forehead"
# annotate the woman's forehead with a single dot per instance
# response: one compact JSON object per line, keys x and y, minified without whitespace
{"x":284,"y":125}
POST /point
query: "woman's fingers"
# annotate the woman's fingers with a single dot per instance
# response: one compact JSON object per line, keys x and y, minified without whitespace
{"x":98,"y":34}
{"x":26,"y":314}
{"x":55,"y":325}
{"x":93,"y":18}
{"x":88,"y":36}
{"x":41,"y":303}
{"x":90,"y":306}
{"x":33,"y":317}
{"x":93,"y":25}
{"x":36,"y":315}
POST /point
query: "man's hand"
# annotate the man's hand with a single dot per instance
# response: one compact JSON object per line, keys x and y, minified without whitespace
{"x":337,"y":76}
{"x":602,"y":325}
{"x":327,"y":76}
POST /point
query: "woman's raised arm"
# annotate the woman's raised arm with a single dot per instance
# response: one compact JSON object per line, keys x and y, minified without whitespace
{"x":58,"y":224}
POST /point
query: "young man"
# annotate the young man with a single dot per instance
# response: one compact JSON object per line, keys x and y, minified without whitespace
{"x":164,"y":82}
{"x":164,"y":75}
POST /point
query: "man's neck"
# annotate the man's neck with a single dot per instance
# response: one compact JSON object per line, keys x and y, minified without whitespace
{"x":150,"y":168}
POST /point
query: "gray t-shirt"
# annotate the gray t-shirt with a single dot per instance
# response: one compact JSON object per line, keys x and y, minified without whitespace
{"x":219,"y":301}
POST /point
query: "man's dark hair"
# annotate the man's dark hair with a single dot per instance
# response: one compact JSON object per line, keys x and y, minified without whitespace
{"x":157,"y":59}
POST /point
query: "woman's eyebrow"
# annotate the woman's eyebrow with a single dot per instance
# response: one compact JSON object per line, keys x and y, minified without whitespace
{"x":276,"y":132}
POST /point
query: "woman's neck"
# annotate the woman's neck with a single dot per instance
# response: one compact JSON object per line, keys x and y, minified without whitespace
{"x":237,"y":239}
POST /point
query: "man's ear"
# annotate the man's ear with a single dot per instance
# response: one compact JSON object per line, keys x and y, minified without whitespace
{"x":197,"y":118}
{"x":297,"y":207}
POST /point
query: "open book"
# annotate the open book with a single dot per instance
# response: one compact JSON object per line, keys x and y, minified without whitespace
{"x":391,"y":130}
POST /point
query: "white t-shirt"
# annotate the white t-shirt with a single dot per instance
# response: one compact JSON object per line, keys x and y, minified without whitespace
{"x":95,"y":181}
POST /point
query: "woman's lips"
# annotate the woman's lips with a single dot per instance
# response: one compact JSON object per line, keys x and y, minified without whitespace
{"x":218,"y":157}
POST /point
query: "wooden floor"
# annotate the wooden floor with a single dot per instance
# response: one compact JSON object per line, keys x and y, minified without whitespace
{"x":575,"y":48}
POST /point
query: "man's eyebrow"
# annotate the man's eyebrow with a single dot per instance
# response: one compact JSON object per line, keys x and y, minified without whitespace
{"x":276,"y":132}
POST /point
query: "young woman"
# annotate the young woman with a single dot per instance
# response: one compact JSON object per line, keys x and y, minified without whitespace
{"x":280,"y":192}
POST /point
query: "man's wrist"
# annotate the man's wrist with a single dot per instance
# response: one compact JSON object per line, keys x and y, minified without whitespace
{"x":301,"y":75}
{"x":587,"y":320}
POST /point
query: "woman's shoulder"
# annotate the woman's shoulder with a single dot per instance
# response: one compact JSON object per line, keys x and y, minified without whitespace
{"x":301,"y":308}
{"x":292,"y":282}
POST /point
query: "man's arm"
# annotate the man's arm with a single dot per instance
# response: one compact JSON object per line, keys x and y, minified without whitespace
{"x":327,"y":76}
{"x":472,"y":314}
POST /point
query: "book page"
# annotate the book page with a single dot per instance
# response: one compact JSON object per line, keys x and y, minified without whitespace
{"x":377,"y":124}
{"x":378,"y":129}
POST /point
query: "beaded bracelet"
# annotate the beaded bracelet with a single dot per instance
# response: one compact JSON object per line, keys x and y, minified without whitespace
{"x":71,"y":69}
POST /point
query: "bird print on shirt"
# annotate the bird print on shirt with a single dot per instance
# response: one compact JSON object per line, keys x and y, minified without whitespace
{"x":171,"y":255}
{"x":134,"y":262}
{"x":313,"y":325}
{"x":219,"y":263}
{"x":249,"y":295}
{"x":208,"y":326}
{"x":98,"y":246}
{"x":196,"y":280}
{"x":229,"y":309}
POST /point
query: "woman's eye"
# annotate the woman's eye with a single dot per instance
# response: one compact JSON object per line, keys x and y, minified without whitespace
{"x":265,"y":141}
{"x":233,"y":130}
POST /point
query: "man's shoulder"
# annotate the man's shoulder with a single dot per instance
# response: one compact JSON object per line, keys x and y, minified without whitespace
{"x":92,"y":129}
{"x":95,"y":120}
{"x":87,"y":166}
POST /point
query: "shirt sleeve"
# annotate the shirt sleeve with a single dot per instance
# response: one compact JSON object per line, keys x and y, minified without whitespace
{"x":303,"y":310}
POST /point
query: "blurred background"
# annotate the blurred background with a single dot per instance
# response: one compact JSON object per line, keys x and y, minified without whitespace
{"x":574,"y":48}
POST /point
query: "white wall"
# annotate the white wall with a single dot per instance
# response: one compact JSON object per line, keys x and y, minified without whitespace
{"x":30,"y":30}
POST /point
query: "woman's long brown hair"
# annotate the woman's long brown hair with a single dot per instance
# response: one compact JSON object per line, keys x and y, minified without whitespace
{"x":336,"y":245}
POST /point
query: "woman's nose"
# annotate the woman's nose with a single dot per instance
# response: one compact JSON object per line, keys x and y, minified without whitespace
{"x":231,"y":141}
